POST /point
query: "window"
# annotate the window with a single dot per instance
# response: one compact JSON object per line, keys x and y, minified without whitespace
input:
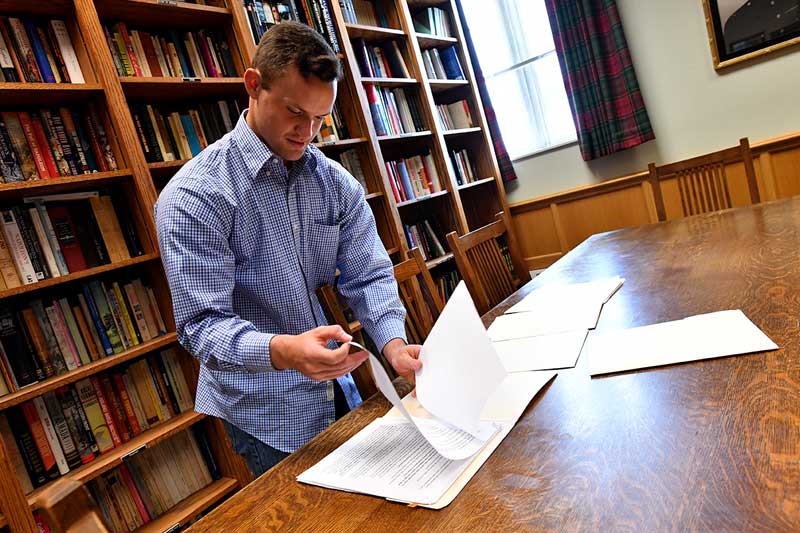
{"x":515,"y":48}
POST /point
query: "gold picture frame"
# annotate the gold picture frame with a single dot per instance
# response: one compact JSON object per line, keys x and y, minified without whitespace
{"x":756,"y":42}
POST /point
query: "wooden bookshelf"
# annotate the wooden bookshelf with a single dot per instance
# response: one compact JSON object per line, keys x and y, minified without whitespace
{"x":461,"y":131}
{"x":427,"y":41}
{"x":390,"y":82}
{"x":37,"y":389}
{"x":165,"y":89}
{"x":477,"y":183}
{"x":47,"y":94}
{"x":111,"y":95}
{"x":372,"y":33}
{"x":438,"y":86}
{"x":81,"y":274}
{"x":191,"y":507}
{"x":62,"y":184}
{"x":115,"y":457}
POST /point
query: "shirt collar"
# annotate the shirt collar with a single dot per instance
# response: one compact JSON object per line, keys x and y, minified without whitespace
{"x":255,"y":152}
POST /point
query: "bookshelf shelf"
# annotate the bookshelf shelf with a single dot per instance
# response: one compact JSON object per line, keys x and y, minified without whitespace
{"x":156,"y":89}
{"x":373,"y":33}
{"x":393,"y":250}
{"x":374,"y":195}
{"x":46,"y":94}
{"x":48,"y":186}
{"x":402,"y":136}
{"x":31,"y":391}
{"x":425,"y":3}
{"x":423,"y":198}
{"x":431,"y":41}
{"x":344,"y":144}
{"x":16,"y":291}
{"x":190,"y":507}
{"x":167,"y":165}
{"x":53,"y":7}
{"x":156,"y":13}
{"x":391,"y":82}
{"x":433,"y":263}
{"x":116,"y":456}
{"x":477,"y":183}
{"x":438,"y":86}
{"x":462,"y":131}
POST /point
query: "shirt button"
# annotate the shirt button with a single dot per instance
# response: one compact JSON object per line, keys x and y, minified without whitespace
{"x":329,"y":390}
{"x":329,"y":421}
{"x":296,"y":226}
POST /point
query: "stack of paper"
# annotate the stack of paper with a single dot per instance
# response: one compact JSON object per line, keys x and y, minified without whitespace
{"x":694,"y":338}
{"x":427,"y":448}
{"x":548,"y":327}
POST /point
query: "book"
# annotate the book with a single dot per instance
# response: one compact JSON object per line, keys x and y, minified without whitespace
{"x":62,"y":430}
{"x":13,"y":453}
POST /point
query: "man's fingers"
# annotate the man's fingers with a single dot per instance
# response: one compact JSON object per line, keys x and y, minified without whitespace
{"x":334,"y":332}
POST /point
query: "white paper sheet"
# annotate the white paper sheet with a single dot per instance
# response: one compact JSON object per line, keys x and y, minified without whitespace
{"x":388,"y":458}
{"x":391,"y":459}
{"x":694,"y":338}
{"x":460,"y":368}
{"x":544,"y":321}
{"x":449,"y":441}
{"x":571,"y":296}
{"x":560,"y":350}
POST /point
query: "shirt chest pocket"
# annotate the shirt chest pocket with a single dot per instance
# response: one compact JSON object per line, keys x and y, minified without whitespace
{"x":323,"y":245}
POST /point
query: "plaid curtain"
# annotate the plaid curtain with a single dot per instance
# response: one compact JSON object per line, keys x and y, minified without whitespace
{"x":603,"y":93}
{"x":504,"y":162}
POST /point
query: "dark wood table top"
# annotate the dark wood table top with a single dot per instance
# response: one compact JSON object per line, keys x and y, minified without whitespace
{"x":711,"y":445}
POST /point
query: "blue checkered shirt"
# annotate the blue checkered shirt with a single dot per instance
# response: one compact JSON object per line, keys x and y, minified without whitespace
{"x":245,"y":244}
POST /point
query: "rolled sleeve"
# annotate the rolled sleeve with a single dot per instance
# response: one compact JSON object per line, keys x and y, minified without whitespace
{"x":193,"y":221}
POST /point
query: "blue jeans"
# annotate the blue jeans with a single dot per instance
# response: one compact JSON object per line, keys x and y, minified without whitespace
{"x":259,"y":457}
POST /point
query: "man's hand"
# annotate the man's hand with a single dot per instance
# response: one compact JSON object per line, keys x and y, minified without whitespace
{"x":403,"y":357}
{"x":308,"y":354}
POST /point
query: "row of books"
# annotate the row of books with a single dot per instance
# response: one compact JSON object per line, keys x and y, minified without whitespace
{"x":413,"y":177}
{"x":380,"y":60}
{"x":72,"y":425}
{"x":49,"y":143}
{"x":394,"y":111}
{"x":455,"y":115}
{"x":442,"y":64}
{"x":53,"y":336}
{"x":48,"y":238}
{"x":193,"y":54}
{"x":462,"y":165}
{"x":352,"y":163}
{"x":333,"y":127}
{"x":155,"y":480}
{"x":262,"y":15}
{"x":421,"y":235}
{"x":446,"y":283}
{"x":432,"y":21}
{"x":37,"y":50}
{"x":366,"y":12}
{"x":167,"y":134}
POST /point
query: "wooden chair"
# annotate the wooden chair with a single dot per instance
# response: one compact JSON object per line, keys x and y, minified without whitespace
{"x":491,"y":276}
{"x":68,"y":507}
{"x":703,"y":182}
{"x":420,"y":298}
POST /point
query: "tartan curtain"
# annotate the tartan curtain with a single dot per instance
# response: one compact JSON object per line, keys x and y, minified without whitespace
{"x":601,"y":84}
{"x":503,"y":160}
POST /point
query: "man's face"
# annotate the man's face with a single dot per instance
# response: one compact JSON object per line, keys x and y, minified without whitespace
{"x":288,"y":115}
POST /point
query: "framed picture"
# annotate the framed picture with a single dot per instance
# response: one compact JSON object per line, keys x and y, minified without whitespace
{"x":744,"y":29}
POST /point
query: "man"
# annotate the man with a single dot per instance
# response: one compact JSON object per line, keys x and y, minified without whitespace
{"x":248,"y":230}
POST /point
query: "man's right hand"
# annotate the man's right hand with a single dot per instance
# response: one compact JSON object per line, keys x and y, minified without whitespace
{"x":308,"y":353}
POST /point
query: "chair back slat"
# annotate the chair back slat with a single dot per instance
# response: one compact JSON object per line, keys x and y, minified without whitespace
{"x":703,"y":182}
{"x":483,"y":267}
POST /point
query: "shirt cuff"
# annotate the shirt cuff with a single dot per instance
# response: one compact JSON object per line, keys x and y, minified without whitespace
{"x":386,"y":332}
{"x":254,"y":352}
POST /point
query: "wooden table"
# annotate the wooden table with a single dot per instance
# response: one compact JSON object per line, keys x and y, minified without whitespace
{"x":712,"y":445}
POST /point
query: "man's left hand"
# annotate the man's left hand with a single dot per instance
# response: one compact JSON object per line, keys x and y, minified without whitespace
{"x":403,"y":357}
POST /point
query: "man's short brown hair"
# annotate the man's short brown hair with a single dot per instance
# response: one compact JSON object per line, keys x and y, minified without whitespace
{"x":291,"y":43}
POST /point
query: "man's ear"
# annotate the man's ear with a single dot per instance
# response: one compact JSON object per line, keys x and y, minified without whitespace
{"x":252,"y":82}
